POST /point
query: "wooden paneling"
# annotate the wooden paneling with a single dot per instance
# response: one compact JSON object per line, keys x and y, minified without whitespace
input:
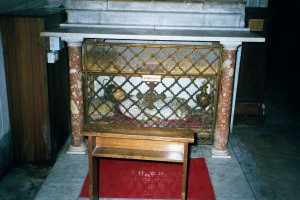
{"x":252,"y":74}
{"x":27,"y":87}
{"x":59,"y":104}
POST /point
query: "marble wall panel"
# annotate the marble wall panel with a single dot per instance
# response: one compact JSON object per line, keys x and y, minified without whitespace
{"x":5,"y":139}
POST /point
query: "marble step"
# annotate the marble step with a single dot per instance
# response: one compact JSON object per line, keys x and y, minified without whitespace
{"x":228,"y":6}
{"x":154,"y":18}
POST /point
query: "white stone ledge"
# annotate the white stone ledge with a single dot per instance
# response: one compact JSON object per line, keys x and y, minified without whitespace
{"x":154,"y":34}
{"x":153,"y":27}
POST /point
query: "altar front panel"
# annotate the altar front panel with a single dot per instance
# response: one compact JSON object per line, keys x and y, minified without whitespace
{"x":152,"y":85}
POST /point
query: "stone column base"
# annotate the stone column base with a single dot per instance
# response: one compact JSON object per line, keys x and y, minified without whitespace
{"x":220,"y":154}
{"x":77,"y":150}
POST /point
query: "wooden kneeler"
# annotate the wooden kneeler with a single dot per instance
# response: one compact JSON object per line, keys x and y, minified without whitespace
{"x":133,"y":142}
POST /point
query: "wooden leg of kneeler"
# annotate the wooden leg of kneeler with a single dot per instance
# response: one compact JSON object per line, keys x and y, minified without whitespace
{"x":95,"y":175}
{"x":93,"y":172}
{"x":184,"y":172}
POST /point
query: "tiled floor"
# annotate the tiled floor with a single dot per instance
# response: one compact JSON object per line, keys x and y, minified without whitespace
{"x":265,"y":163}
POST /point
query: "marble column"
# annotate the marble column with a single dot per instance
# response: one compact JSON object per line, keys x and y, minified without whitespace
{"x":76,"y":96}
{"x":220,"y":147}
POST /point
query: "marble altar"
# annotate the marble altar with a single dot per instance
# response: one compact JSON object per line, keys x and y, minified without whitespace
{"x":189,"y":22}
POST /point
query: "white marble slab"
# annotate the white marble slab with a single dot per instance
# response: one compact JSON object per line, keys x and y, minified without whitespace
{"x":155,"y":34}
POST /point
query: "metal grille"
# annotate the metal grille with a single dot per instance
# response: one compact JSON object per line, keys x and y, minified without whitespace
{"x":152,"y":85}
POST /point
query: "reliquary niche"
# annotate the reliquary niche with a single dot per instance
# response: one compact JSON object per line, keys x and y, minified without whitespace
{"x":152,"y":85}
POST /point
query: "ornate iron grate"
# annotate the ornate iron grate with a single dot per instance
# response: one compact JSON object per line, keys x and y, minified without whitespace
{"x":152,"y":85}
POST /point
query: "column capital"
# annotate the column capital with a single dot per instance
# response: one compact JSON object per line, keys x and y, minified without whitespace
{"x":73,"y":42}
{"x":230,"y":45}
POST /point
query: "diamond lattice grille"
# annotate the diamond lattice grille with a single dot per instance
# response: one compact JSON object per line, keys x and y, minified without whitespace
{"x":151,"y":85}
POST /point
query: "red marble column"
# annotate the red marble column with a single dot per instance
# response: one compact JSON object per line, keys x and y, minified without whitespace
{"x":76,"y":97}
{"x":224,"y":103}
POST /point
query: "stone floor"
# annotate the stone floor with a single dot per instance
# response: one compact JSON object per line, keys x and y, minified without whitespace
{"x":265,"y":163}
{"x":228,"y":184}
{"x":269,"y":154}
{"x":23,"y":183}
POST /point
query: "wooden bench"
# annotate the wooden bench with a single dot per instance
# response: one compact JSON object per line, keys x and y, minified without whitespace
{"x":133,"y":142}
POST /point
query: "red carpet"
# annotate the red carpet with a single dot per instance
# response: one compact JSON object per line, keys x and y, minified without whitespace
{"x":151,"y":180}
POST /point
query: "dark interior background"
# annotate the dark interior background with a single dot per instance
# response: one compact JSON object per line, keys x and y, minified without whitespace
{"x":284,"y":53}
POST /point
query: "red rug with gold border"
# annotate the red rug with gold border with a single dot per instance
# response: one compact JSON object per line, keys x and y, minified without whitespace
{"x":151,"y":180}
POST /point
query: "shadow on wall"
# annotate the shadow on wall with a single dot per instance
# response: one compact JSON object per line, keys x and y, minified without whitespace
{"x":6,"y":5}
{"x":5,"y":136}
